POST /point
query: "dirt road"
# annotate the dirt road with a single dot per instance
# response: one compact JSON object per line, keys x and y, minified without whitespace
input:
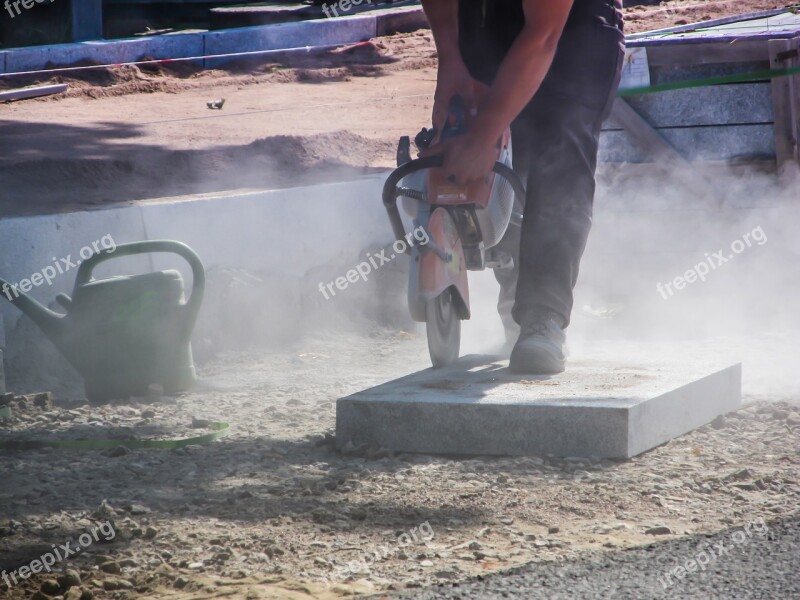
{"x":131,"y":133}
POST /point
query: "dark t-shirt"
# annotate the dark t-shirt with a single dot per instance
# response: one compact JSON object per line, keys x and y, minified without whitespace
{"x":487,"y":28}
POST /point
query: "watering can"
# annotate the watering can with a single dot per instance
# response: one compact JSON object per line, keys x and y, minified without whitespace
{"x":125,"y":333}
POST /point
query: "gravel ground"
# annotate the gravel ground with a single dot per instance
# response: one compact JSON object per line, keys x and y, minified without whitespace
{"x":274,"y":508}
{"x":758,"y":562}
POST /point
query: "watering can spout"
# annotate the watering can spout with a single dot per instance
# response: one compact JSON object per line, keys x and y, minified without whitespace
{"x":50,"y":322}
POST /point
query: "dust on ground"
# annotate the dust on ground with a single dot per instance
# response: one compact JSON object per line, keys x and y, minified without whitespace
{"x":275,"y":511}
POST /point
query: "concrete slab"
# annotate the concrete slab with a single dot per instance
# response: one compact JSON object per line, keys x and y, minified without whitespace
{"x":264,"y":230}
{"x":320,"y":32}
{"x":712,"y":143}
{"x":327,"y":32}
{"x":180,"y":45}
{"x":597,"y":408}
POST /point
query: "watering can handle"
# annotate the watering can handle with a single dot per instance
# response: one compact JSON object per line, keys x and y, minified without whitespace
{"x":145,"y":247}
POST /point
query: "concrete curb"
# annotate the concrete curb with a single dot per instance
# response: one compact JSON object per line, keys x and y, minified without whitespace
{"x":322,"y":32}
{"x":240,"y":230}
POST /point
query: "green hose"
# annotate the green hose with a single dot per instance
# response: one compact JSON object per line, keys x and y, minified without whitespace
{"x":220,"y":430}
{"x":751,"y":77}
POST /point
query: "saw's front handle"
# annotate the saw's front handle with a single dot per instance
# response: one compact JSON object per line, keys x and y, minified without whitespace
{"x":391,"y":192}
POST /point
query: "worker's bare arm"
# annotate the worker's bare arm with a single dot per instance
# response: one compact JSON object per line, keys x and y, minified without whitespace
{"x":519,"y":77}
{"x":524,"y":68}
{"x":453,"y":78}
{"x":443,"y":18}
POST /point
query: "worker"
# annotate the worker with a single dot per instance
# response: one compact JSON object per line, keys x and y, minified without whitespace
{"x":551,"y":70}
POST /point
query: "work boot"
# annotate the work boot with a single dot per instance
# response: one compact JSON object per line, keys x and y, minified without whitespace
{"x":540,"y":347}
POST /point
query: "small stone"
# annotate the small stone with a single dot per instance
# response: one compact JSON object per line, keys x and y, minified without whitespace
{"x":50,"y":587}
{"x":200,"y":423}
{"x":112,"y":567}
{"x":114,"y":583}
{"x":181,"y":583}
{"x":445,"y":574}
{"x":195,"y":566}
{"x":43,"y":401}
{"x":553,"y":529}
{"x":71,"y":578}
{"x":748,"y":487}
{"x":659,"y":530}
{"x":150,"y":533}
{"x":719,"y":423}
{"x":148,"y":414}
{"x":117,"y":452}
{"x":74,"y":593}
{"x":740,"y":475}
{"x":426,"y":563}
{"x":507,"y":521}
{"x":137,"y":509}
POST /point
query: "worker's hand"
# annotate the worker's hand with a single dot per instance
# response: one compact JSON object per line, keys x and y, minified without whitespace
{"x":466,"y":157}
{"x":453,"y":79}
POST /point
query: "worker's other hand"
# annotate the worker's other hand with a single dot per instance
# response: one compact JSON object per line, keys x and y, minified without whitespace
{"x":466,"y":157}
{"x":453,"y":79}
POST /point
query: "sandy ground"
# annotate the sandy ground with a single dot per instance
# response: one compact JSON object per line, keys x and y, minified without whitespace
{"x":126,"y":134}
{"x":275,"y":512}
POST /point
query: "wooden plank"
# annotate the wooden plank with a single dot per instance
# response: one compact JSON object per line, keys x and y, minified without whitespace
{"x":698,"y":144}
{"x":654,"y":145}
{"x":785,"y":54}
{"x":36,"y":92}
{"x":706,"y":24}
{"x":735,"y":104}
{"x":743,"y":51}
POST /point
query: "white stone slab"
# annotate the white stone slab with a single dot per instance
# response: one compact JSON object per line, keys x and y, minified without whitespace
{"x":596,"y":408}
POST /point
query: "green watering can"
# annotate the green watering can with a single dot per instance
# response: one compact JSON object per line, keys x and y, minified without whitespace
{"x":126,"y":333}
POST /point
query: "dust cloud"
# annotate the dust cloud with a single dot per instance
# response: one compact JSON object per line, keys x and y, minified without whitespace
{"x":735,"y":254}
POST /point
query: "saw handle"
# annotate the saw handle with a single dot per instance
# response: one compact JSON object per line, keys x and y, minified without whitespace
{"x":391,"y":192}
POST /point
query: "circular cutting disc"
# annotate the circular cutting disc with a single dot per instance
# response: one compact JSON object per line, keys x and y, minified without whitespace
{"x":444,"y":329}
